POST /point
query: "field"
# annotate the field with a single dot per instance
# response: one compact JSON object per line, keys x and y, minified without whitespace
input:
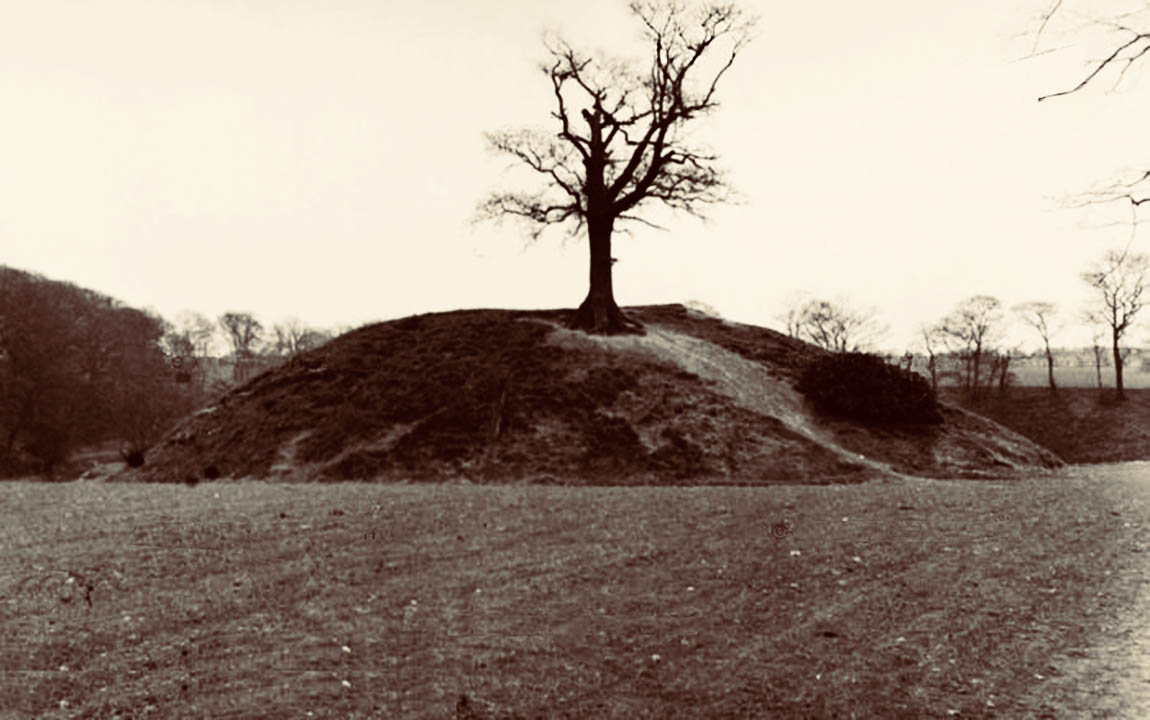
{"x":915,"y":599}
{"x":1034,"y":375}
{"x":1080,"y":425}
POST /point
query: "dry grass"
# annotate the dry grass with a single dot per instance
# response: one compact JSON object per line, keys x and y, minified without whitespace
{"x":486,"y":396}
{"x":498,"y":396}
{"x":1080,"y":425}
{"x":905,"y":599}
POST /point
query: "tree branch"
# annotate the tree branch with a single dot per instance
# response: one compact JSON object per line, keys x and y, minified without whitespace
{"x":631,"y":151}
{"x":1103,"y":65}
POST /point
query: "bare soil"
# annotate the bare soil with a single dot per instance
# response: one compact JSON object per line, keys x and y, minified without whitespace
{"x":906,"y":598}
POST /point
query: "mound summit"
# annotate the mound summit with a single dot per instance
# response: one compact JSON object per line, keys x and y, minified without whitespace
{"x":490,"y":396}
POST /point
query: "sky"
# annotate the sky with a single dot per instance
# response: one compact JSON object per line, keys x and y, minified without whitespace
{"x":323,"y":159}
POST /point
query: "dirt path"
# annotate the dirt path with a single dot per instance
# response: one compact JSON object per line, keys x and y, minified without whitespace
{"x":750,"y":384}
{"x":1110,"y":678}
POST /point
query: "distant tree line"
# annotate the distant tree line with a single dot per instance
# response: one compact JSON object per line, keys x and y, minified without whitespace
{"x":835,"y":325}
{"x":966,"y":348}
{"x":79,"y":368}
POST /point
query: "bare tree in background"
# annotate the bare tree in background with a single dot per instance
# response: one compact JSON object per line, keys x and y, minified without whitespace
{"x":1099,"y":353}
{"x":632,"y":148}
{"x":177,"y":342}
{"x":1000,"y":368}
{"x":1041,"y":315}
{"x":313,"y":338}
{"x":243,"y":332}
{"x":930,"y":337}
{"x":792,"y":313}
{"x":838,"y":327}
{"x":1118,"y":279}
{"x":199,"y":330}
{"x":289,"y":334}
{"x":971,"y":328}
{"x":293,"y":337}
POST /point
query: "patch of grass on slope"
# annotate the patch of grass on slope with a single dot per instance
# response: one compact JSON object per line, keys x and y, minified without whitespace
{"x":1080,"y":425}
{"x":363,"y":601}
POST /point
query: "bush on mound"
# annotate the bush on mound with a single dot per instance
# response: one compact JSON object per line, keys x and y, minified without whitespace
{"x":865,"y":387}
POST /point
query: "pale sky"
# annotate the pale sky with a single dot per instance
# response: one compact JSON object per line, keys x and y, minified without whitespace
{"x":323,"y":158}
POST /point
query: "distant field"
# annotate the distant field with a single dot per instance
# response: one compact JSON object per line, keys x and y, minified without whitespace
{"x":1070,"y":376}
{"x":1132,"y":377}
{"x":916,"y":599}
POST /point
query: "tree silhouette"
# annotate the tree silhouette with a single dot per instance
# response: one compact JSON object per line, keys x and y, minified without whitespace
{"x":1124,"y":33}
{"x":1119,"y":279}
{"x":971,"y":327}
{"x":630,"y":150}
{"x":836,"y":326}
{"x":243,"y":332}
{"x":1040,"y":315}
{"x":77,"y":367}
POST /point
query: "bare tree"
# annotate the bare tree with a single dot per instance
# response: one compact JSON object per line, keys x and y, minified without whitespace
{"x":313,"y":338}
{"x":1124,"y":35}
{"x":243,"y":333}
{"x":199,"y":330}
{"x":1041,"y":315}
{"x":633,"y":149}
{"x":177,"y":342}
{"x":930,"y":340}
{"x":792,"y":313}
{"x":293,"y":337}
{"x":1099,"y":354}
{"x":1119,"y":279}
{"x":838,"y":327}
{"x":970,"y":329}
{"x":1000,"y":368}
{"x":1126,"y":32}
{"x":289,"y":334}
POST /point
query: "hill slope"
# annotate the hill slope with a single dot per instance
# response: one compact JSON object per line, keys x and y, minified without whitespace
{"x":512,"y":396}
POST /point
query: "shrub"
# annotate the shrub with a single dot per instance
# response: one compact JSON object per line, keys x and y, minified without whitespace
{"x":865,"y":387}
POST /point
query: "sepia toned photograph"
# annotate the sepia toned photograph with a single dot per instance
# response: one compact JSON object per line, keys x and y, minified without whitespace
{"x":540,"y":359}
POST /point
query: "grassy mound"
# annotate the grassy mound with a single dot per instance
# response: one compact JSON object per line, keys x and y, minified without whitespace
{"x":511,"y":396}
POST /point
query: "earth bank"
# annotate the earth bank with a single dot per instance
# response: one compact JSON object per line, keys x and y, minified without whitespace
{"x":512,"y":396}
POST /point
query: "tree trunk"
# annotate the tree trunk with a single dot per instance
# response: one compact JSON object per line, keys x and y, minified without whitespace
{"x":1098,"y":364}
{"x":1004,"y":376}
{"x":976,"y":379}
{"x":1119,"y":394}
{"x":598,"y":313}
{"x":1050,"y":366}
